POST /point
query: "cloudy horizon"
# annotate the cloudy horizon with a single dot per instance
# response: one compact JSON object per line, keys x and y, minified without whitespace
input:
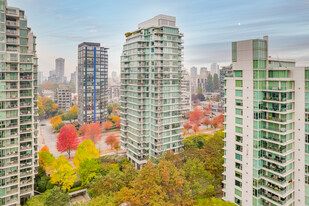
{"x":209,"y":27}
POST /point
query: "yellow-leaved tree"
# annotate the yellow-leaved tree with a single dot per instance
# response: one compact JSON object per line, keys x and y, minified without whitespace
{"x":74,"y":110}
{"x":55,"y":121}
{"x":63,"y":173}
{"x":86,"y":150}
{"x":46,"y":160}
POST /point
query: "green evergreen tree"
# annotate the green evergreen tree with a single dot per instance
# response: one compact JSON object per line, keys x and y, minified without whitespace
{"x":209,"y":84}
{"x":216,"y":82}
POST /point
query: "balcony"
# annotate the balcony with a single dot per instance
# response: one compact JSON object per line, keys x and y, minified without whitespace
{"x":275,"y":168}
{"x":275,"y":188}
{"x":11,"y":23}
{"x":275,"y":178}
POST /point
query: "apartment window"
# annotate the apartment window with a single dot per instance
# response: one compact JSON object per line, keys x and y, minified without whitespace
{"x":238,"y":165}
{"x":237,"y":183}
{"x":237,"y":201}
{"x":307,"y":148}
{"x":238,"y":139}
{"x":239,"y":102}
{"x":238,"y":157}
{"x":238,"y":83}
{"x":238,"y":73}
{"x":238,"y":175}
{"x":238,"y":192}
{"x":238,"y":129}
{"x":238,"y":148}
{"x":234,"y":51}
{"x":238,"y":120}
{"x":307,"y":168}
{"x":239,"y":112}
{"x":307,"y":138}
{"x":238,"y":93}
{"x":306,"y":179}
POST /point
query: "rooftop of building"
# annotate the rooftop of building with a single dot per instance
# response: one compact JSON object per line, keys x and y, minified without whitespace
{"x":277,"y":59}
{"x":89,"y":44}
{"x":159,"y":20}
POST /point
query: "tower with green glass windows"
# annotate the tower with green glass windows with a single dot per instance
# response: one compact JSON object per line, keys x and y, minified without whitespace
{"x":266,"y":152}
{"x":18,"y":106}
{"x":151,"y":101}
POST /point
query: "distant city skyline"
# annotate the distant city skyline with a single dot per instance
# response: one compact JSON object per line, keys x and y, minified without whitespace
{"x":209,"y":27}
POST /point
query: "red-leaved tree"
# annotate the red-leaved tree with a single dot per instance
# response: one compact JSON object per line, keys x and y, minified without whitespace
{"x":195,"y":128}
{"x":206,"y":121}
{"x":107,"y":125}
{"x":218,"y":120}
{"x":196,"y":116}
{"x":117,"y":124}
{"x":187,"y":126}
{"x":93,"y":132}
{"x":207,"y":110}
{"x":82,"y":129}
{"x":67,"y":139}
{"x":111,"y":140}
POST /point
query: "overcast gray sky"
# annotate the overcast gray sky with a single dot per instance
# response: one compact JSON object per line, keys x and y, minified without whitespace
{"x":209,"y":27}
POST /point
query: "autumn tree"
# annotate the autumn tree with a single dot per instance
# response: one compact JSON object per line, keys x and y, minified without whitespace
{"x":115,"y":118}
{"x":55,"y":121}
{"x":196,"y":128}
{"x":111,"y":140}
{"x":45,"y":148}
{"x":117,"y":124}
{"x":206,"y":121}
{"x":86,"y":150}
{"x":218,"y":120}
{"x":88,"y":170}
{"x":53,"y":197}
{"x":207,"y":110}
{"x":187,"y":126}
{"x":82,"y":129}
{"x":93,"y":132}
{"x":47,"y":106}
{"x":107,"y":125}
{"x":67,"y":139}
{"x":199,"y":178}
{"x":46,"y":160}
{"x":161,"y":185}
{"x":63,"y":173}
{"x":196,"y":116}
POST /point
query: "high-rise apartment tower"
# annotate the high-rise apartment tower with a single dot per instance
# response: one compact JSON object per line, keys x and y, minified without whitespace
{"x":151,"y":90}
{"x":92,"y":83}
{"x":267,"y":130}
{"x":18,"y":106}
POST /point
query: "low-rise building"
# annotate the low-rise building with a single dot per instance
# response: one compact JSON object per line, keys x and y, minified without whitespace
{"x":113,"y":93}
{"x":63,"y":98}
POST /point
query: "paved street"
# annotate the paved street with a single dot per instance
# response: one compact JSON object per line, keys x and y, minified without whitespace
{"x":47,"y":137}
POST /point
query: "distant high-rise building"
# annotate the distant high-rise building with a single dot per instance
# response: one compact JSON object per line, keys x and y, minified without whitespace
{"x":40,"y":77}
{"x":92,"y":83}
{"x":18,"y":107}
{"x":214,"y":69}
{"x":193,"y":72}
{"x":203,"y":69}
{"x":266,"y":128}
{"x":60,"y":69}
{"x":73,"y":77}
{"x":224,"y":72}
{"x":151,"y":117}
{"x":63,"y":97}
{"x":114,"y":93}
{"x":185,"y":92}
{"x":114,"y":75}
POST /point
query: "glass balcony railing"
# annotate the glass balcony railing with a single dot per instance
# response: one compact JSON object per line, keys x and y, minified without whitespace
{"x":275,"y":168}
